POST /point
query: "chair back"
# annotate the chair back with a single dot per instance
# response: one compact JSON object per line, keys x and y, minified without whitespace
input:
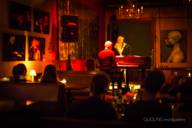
{"x":30,"y":91}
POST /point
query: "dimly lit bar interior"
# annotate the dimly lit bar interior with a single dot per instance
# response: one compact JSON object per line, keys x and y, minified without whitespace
{"x":96,"y":63}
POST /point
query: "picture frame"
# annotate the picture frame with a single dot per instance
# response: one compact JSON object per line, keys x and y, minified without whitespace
{"x":19,"y":16}
{"x":13,"y":48}
{"x":41,"y":21}
{"x":173,"y":46}
{"x":36,"y":49}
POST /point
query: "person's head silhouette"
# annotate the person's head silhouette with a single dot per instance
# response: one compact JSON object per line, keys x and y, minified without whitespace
{"x":50,"y":74}
{"x":19,"y":72}
{"x":99,"y":84}
{"x":154,"y":81}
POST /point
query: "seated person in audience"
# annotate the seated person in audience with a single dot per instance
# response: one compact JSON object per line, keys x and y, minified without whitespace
{"x":95,"y":107}
{"x":19,"y":72}
{"x":182,"y":107}
{"x":48,"y":108}
{"x":149,"y":108}
{"x":49,"y":74}
{"x":107,"y":63}
{"x":185,"y":93}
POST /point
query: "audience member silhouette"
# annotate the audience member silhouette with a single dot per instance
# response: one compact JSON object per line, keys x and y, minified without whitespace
{"x":48,"y":108}
{"x":149,"y":109}
{"x":49,"y":74}
{"x":181,"y":107}
{"x":95,"y":107}
{"x":185,"y":90}
{"x":19,"y":72}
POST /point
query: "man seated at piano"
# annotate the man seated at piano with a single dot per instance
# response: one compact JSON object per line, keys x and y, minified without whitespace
{"x":107,"y":63}
{"x":122,"y":48}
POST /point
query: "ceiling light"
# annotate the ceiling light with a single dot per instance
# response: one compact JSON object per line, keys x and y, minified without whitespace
{"x":130,"y":10}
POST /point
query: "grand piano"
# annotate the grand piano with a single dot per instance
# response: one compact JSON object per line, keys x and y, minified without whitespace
{"x":133,"y":61}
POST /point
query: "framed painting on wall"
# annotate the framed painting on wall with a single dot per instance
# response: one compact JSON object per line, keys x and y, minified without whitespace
{"x":173,"y":46}
{"x":19,"y":16}
{"x":36,"y":48}
{"x":13,"y":47}
{"x":41,"y":21}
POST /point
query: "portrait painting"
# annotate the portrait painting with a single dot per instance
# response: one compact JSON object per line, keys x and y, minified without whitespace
{"x":41,"y":21}
{"x":173,"y":45}
{"x":19,"y":16}
{"x":36,"y":48}
{"x":13,"y":47}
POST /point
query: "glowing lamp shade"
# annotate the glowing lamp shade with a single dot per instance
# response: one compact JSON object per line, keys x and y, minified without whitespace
{"x":64,"y":81}
{"x":32,"y":74}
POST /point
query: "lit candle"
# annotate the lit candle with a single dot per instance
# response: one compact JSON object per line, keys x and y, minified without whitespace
{"x":141,"y":9}
{"x":120,"y":9}
{"x":189,"y":74}
{"x":138,"y":11}
{"x":175,"y":73}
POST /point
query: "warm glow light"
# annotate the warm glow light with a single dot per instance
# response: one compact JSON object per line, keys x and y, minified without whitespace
{"x":110,"y":87}
{"x":134,"y":87}
{"x":32,"y":74}
{"x":28,"y":102}
{"x":5,"y":79}
{"x":130,"y":10}
{"x":175,"y":73}
{"x":189,"y":74}
{"x":115,"y":87}
{"x":64,"y":81}
{"x":137,"y":86}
